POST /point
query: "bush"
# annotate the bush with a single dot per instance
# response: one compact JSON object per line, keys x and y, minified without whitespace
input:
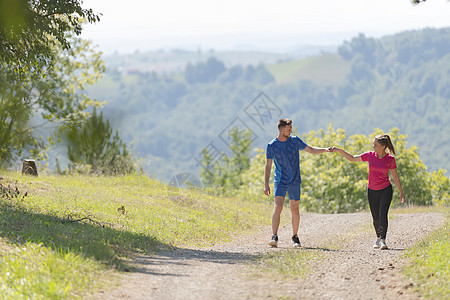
{"x":331,"y":184}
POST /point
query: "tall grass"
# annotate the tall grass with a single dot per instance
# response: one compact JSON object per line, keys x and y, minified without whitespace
{"x":69,"y":231}
{"x":32,"y":271}
{"x":429,"y":269}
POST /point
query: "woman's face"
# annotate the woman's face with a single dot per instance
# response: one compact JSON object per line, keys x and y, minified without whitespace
{"x":378,"y":147}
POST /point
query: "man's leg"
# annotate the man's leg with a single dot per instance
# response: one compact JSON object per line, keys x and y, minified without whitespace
{"x":278,"y":208}
{"x":295,"y":215}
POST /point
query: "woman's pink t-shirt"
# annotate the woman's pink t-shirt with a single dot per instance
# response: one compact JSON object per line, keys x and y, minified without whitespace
{"x":379,"y":169}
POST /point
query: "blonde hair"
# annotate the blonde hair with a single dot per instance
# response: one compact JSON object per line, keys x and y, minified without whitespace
{"x":385,"y":140}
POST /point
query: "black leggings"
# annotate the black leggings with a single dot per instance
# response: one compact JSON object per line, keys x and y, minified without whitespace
{"x":379,"y":202}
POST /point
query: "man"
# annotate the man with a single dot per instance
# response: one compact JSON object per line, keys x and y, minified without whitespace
{"x":284,"y":152}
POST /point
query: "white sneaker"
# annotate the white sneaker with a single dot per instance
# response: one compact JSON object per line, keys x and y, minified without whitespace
{"x":274,"y":241}
{"x":383,"y":245}
{"x":377,"y":244}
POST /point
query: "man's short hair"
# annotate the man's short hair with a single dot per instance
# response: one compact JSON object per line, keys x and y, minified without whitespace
{"x":284,"y":122}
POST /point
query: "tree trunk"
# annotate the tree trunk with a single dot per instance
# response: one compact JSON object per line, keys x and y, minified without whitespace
{"x":29,"y":167}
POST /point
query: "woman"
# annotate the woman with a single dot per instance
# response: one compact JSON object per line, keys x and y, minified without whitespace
{"x":379,"y":192}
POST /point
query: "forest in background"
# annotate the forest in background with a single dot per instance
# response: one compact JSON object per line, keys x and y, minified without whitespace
{"x":168,"y":117}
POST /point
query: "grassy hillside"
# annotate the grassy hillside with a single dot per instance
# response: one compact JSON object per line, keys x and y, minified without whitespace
{"x":325,"y":69}
{"x":60,"y":236}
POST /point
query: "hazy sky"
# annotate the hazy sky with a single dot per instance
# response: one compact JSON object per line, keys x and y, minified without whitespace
{"x":263,"y":25}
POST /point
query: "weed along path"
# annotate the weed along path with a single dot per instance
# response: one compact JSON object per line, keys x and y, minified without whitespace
{"x":336,"y":252}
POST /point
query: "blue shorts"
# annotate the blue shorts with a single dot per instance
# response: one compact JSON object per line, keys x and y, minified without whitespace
{"x":293,"y":191}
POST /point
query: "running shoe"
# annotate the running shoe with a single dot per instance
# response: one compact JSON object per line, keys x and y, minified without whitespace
{"x":377,"y":244}
{"x":274,"y":241}
{"x":383,"y":245}
{"x":296,"y":241}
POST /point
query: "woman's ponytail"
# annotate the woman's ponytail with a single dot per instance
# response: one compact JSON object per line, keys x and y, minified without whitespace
{"x":385,"y":140}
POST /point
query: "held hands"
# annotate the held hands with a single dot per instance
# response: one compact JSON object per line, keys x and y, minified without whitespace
{"x":333,"y":149}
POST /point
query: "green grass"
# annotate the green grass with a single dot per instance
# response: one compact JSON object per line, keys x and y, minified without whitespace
{"x":325,"y":69}
{"x":292,"y":263}
{"x":429,"y":269}
{"x":32,"y":271}
{"x":63,"y":239}
{"x":417,"y":209}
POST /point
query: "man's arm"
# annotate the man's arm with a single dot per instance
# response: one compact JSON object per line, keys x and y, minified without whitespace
{"x":267,"y":176}
{"x":315,"y":150}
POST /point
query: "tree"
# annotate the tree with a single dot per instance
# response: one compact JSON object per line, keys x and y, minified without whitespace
{"x":224,"y":176}
{"x":57,"y":97}
{"x":31,"y":29}
{"x":259,"y":74}
{"x":43,"y":67}
{"x":94,"y":146}
{"x":232,"y":74}
{"x":204,"y":72}
{"x":240,"y":146}
{"x":253,"y":178}
{"x":14,"y":135}
{"x":360,"y":46}
{"x":207,"y":171}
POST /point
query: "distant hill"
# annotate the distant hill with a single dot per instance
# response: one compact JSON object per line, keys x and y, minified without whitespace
{"x":325,"y":69}
{"x":172,"y":105}
{"x":175,"y":60}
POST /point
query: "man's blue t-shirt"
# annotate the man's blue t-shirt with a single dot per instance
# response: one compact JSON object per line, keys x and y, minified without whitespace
{"x":286,"y":158}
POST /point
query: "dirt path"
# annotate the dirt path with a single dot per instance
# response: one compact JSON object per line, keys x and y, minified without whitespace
{"x":351,"y":269}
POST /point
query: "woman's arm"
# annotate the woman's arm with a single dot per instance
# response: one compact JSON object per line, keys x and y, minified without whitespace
{"x":398,"y":184}
{"x":347,"y":155}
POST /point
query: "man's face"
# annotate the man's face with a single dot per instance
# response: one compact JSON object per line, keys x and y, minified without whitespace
{"x":286,"y":131}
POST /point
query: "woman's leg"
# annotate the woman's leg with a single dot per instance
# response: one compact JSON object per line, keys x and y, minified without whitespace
{"x":385,"y":203}
{"x":374,"y":204}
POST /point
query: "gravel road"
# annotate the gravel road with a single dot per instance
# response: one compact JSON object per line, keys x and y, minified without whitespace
{"x":350,"y":268}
